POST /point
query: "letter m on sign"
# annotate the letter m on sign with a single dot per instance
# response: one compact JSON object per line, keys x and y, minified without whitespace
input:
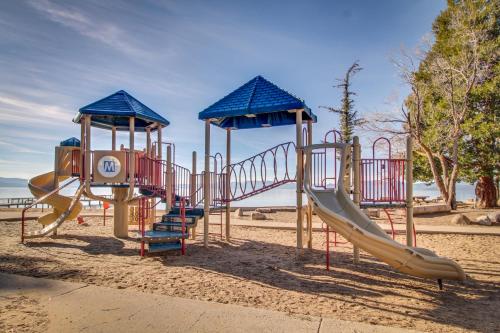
{"x":109,"y":166}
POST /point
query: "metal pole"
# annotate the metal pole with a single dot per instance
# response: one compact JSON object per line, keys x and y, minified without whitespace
{"x":356,"y":159}
{"x":206,"y":184}
{"x":113,"y":138}
{"x":300,"y":167}
{"x":228,"y":184}
{"x":168,"y":203}
{"x":193,"y":190}
{"x":193,"y":180}
{"x":409,"y":191}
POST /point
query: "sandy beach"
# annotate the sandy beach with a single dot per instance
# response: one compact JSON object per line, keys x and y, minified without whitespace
{"x":259,"y":269}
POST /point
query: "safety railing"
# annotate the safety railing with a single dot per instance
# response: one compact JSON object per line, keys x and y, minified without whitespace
{"x":383,"y":180}
{"x":181,"y":181}
{"x":152,"y":175}
{"x":261,"y":172}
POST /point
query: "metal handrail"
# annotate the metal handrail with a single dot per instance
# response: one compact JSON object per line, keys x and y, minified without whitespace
{"x":37,"y":201}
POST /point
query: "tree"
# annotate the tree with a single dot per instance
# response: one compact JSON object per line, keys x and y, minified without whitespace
{"x":348,"y":115}
{"x":452,"y":109}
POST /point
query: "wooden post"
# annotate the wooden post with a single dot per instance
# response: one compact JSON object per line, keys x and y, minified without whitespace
{"x":169,"y":183}
{"x":159,"y":141}
{"x":206,"y":184}
{"x":228,"y":184}
{"x":81,"y":169}
{"x":87,"y":154}
{"x":409,"y":191}
{"x":309,"y":204}
{"x":356,"y":160}
{"x":299,"y":175}
{"x":131,"y":169}
{"x":148,"y":142}
{"x":113,"y":138}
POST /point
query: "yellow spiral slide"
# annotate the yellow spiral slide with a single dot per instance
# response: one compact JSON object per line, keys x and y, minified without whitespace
{"x":64,"y":208}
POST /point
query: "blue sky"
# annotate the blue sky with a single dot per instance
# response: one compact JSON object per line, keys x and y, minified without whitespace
{"x":180,"y":57}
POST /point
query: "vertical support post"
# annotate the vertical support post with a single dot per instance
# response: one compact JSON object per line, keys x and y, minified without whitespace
{"x":193,"y":186}
{"x":113,"y":138}
{"x":193,"y":190}
{"x":300,"y":173}
{"x":409,"y":191}
{"x":158,"y":153}
{"x":169,"y":182}
{"x":228,"y":184}
{"x":356,"y":160}
{"x":309,"y":204}
{"x":148,"y":142}
{"x":206,"y":184}
{"x":87,"y":154}
{"x":81,"y":169}
{"x":131,"y":156}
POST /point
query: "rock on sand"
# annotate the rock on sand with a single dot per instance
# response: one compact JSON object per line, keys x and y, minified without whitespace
{"x":460,"y":219}
{"x":258,"y":216}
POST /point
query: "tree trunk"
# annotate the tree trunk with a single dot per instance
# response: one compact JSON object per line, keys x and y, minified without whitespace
{"x":486,"y":192}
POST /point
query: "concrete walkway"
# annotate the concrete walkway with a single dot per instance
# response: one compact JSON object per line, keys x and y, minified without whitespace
{"x":72,"y":307}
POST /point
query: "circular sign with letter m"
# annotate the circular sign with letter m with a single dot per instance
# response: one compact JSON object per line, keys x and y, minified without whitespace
{"x":109,"y":166}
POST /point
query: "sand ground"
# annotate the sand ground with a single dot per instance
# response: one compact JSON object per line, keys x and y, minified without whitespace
{"x":259,"y":269}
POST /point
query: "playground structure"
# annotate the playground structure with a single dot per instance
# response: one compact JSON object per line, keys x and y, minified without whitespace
{"x":144,"y":179}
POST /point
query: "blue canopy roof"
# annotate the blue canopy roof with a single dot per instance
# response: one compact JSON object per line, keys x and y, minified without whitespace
{"x":71,"y":142}
{"x":116,"y":109}
{"x":257,"y":103}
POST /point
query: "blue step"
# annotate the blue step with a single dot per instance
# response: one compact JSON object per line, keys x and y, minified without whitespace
{"x":168,"y":226}
{"x":189,"y":211}
{"x":152,"y":235}
{"x":178,"y":218}
{"x":160,"y":247}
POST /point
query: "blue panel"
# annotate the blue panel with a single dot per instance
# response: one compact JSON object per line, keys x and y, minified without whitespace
{"x":160,"y":247}
{"x":259,"y":97}
{"x":71,"y":142}
{"x":115,"y":110}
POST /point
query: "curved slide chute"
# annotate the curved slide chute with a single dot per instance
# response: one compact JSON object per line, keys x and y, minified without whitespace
{"x":336,"y":209}
{"x":64,"y":208}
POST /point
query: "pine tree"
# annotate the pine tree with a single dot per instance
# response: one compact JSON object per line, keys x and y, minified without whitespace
{"x":348,"y":115}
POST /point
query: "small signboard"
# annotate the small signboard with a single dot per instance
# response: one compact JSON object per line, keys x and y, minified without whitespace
{"x":109,"y":166}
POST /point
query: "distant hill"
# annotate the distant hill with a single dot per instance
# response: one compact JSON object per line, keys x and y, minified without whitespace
{"x":13,"y":182}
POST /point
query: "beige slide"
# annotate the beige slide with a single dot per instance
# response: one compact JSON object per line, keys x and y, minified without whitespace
{"x":335,"y":208}
{"x":64,"y":208}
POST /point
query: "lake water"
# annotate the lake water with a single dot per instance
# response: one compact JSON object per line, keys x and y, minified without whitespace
{"x":284,"y":196}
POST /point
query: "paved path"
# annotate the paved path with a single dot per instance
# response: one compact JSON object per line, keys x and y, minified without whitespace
{"x":72,"y":307}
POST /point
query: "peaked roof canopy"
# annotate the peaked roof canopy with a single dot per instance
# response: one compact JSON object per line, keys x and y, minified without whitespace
{"x":116,"y":109}
{"x":257,"y":103}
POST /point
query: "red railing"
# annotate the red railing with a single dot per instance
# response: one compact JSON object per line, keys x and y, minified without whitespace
{"x":383,"y":180}
{"x":181,"y":181}
{"x":261,"y":172}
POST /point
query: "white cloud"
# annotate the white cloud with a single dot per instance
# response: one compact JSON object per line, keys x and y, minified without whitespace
{"x":106,"y":33}
{"x":24,"y":112}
